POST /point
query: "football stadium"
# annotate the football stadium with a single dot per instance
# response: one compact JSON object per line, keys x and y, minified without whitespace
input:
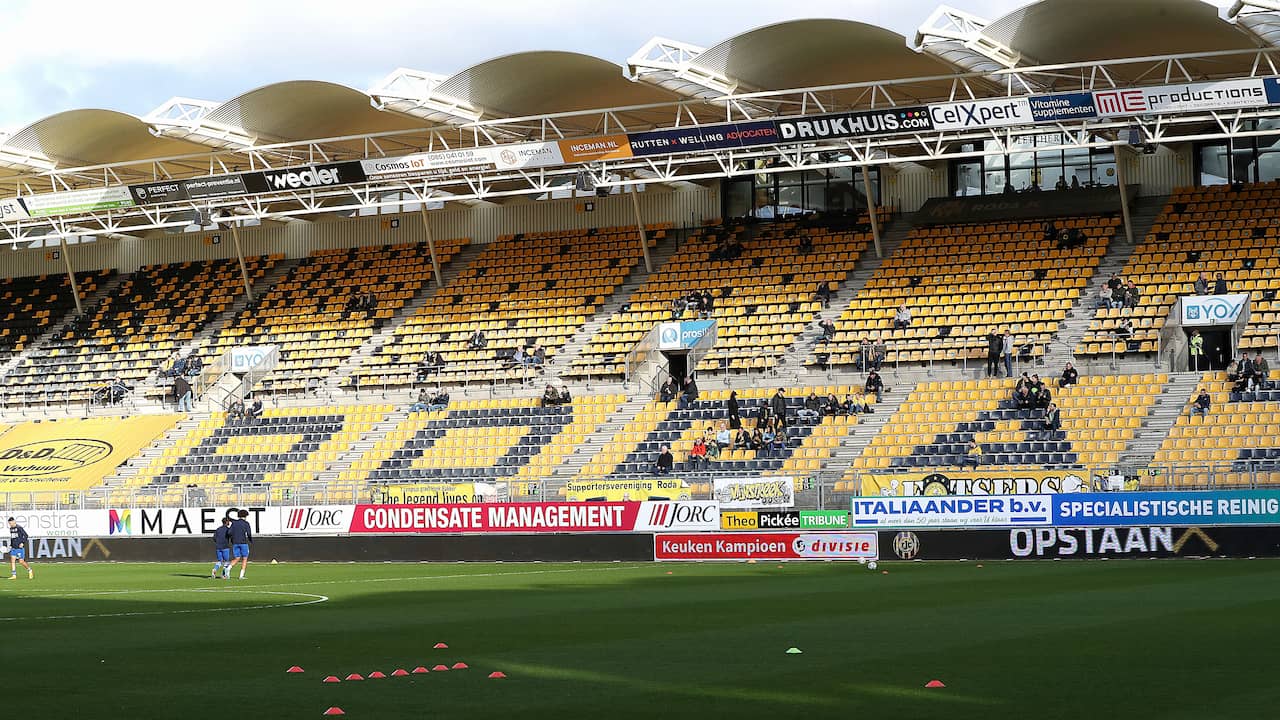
{"x":822,"y":371}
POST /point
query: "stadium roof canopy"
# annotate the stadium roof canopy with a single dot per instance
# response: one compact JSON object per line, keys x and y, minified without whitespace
{"x":536,"y":94}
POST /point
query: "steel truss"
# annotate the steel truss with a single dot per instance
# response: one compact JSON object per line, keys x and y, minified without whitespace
{"x":491,"y":185}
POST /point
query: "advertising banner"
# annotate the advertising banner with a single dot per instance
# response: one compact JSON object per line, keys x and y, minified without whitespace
{"x":854,"y":124}
{"x":1202,"y":310}
{"x":682,"y":335}
{"x":78,"y":201}
{"x":785,"y":520}
{"x":13,"y":209}
{"x":436,"y":493}
{"x":305,"y":178}
{"x":977,"y":482}
{"x":247,"y":358}
{"x":603,"y":147}
{"x":1220,"y":95}
{"x":496,"y":518}
{"x":748,"y":493}
{"x":73,"y":454}
{"x":952,"y":511}
{"x":1207,"y":507}
{"x":998,"y":112}
{"x":685,"y":515}
{"x":766,"y":546}
{"x":430,"y":164}
{"x":159,"y":192}
{"x":724,"y":136}
{"x":527,"y":155}
{"x":59,"y":523}
{"x":316,"y":519}
{"x":621,"y":490}
{"x":1063,"y":106}
{"x":179,"y":522}
{"x":215,"y":187}
{"x":1082,"y":543}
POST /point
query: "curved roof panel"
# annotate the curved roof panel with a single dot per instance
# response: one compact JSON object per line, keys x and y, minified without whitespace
{"x":305,"y":110}
{"x":96,"y":137}
{"x":806,"y":53}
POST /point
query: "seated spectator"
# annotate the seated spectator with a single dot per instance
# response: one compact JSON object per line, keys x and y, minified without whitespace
{"x":422,"y":402}
{"x":1200,"y":406}
{"x":1070,"y":376}
{"x":114,"y":392}
{"x":1023,"y":399}
{"x":831,"y":406}
{"x":828,"y":328}
{"x":1104,"y":298}
{"x":741,"y":439}
{"x":1051,"y":228}
{"x":757,"y":438}
{"x":1233,"y":367}
{"x":666,"y":393}
{"x":235,"y":411}
{"x":1261,"y":372}
{"x":550,"y":398}
{"x":902,"y":318}
{"x":431,"y":364}
{"x":878,"y":353}
{"x":689,"y":394}
{"x":677,"y":308}
{"x":1220,"y":285}
{"x":724,"y":437}
{"x":439,"y":401}
{"x":1043,"y":398}
{"x":195,"y":365}
{"x":698,"y":454}
{"x":812,"y":409}
{"x":565,"y":397}
{"x":824,"y":294}
{"x":1119,"y":297}
{"x":1124,"y":330}
{"x":664,"y":462}
{"x":852,"y":406}
{"x":874,"y":385}
{"x":1132,"y":295}
{"x":477,"y":341}
{"x":1201,"y":285}
{"x":254,"y":410}
{"x":539,"y":356}
{"x":806,"y":244}
{"x":1051,"y":423}
{"x":972,"y":454}
{"x":518,"y":358}
{"x":708,"y":304}
{"x":1061,"y":184}
{"x":177,"y":369}
{"x":713,"y":453}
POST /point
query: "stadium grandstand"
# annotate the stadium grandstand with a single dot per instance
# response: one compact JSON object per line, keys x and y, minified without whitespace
{"x":818,"y":252}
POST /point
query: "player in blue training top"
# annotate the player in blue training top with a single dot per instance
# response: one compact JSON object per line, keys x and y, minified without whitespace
{"x":18,"y":550}
{"x":222,"y":549}
{"x":241,"y":537}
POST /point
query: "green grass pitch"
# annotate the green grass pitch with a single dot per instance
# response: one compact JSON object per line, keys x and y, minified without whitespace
{"x":1131,"y":639}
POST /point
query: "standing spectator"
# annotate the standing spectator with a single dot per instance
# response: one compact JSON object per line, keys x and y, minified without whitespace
{"x":812,"y":409}
{"x":1052,"y":421}
{"x":735,"y":412}
{"x":1007,"y":346}
{"x":778,"y":407}
{"x":662,"y":465}
{"x":1200,"y":406}
{"x":1202,"y":284}
{"x":1220,"y":285}
{"x":182,"y":393}
{"x":874,"y":385}
{"x":902,"y":318}
{"x":824,"y":294}
{"x":1197,"y":350}
{"x":994,"y":343}
{"x":1070,"y":376}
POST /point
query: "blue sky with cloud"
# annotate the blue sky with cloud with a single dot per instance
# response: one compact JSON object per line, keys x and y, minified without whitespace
{"x":59,"y":55}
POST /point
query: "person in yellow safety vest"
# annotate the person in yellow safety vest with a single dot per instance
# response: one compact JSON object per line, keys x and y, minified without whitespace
{"x":1197,"y":349}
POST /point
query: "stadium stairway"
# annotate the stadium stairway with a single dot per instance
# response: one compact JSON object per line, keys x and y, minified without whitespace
{"x":596,"y":442}
{"x":366,"y":442}
{"x":666,"y":248}
{"x":130,"y":467}
{"x":449,"y":273}
{"x":1145,"y":210}
{"x":1171,"y":404}
{"x":867,"y":427}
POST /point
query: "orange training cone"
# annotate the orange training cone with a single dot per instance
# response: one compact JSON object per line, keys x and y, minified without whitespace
{"x":331,"y":678}
{"x":440,"y":668}
{"x":295,"y":669}
{"x":355,"y":676}
{"x":497,"y":675}
{"x":399,"y":672}
{"x":375,"y":675}
{"x":334,"y":711}
{"x":934,"y":684}
{"x":440,"y":646}
{"x":419,"y":670}
{"x":460,"y":666}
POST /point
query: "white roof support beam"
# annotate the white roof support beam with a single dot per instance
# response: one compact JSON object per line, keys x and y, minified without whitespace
{"x":673,"y":65}
{"x":413,"y":92}
{"x":1259,"y":19}
{"x":185,"y":119}
{"x":957,"y":37}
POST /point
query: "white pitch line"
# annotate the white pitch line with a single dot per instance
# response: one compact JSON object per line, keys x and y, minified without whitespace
{"x":315,"y":599}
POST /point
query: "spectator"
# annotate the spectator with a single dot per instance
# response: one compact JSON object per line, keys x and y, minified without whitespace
{"x":1119,"y":297}
{"x":677,"y":308}
{"x":806,"y":244}
{"x":1124,"y":330}
{"x":565,"y":397}
{"x":831,"y":406}
{"x":666,"y":393}
{"x":254,"y":410}
{"x":1043,"y":398}
{"x":724,"y":438}
{"x":662,"y":465}
{"x":828,"y":330}
{"x":1052,"y":421}
{"x":422,"y":402}
{"x":1104,"y":298}
{"x":688,"y":394}
{"x":1220,"y":285}
{"x":757,"y":438}
{"x":1200,"y":406}
{"x":902,"y":318}
{"x":853,"y":407}
{"x":1115,"y":283}
{"x":735,"y":416}
{"x":178,"y":368}
{"x":824,"y":294}
{"x":539,"y":357}
{"x":1262,"y":371}
{"x":713,"y":453}
{"x":1007,"y":345}
{"x":1197,"y":350}
{"x":1131,"y":295}
{"x":864,"y":354}
{"x":742,"y":439}
{"x":518,"y":358}
{"x":778,"y":407}
{"x":1202,"y":284}
{"x":874,"y":385}
{"x":1061,"y":184}
{"x":972,"y":454}
{"x":1075,"y":182}
{"x":432,"y":363}
{"x":235,"y":411}
{"x":878,"y":353}
{"x":698,"y":454}
{"x":182,"y":393}
{"x":439,"y":400}
{"x":994,"y":343}
{"x":1023,"y":399}
{"x":1051,"y":228}
{"x":812,"y":409}
{"x":1234,"y":367}
{"x":1248,"y":374}
{"x":195,"y":365}
{"x":1070,"y":376}
{"x":550,"y":398}
{"x":477,"y":341}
